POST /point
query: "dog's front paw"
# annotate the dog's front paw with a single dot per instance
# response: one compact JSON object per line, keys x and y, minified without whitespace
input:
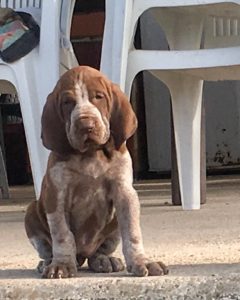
{"x":43,"y":264}
{"x":60,"y":270}
{"x":141,"y":268}
{"x":105,"y":264}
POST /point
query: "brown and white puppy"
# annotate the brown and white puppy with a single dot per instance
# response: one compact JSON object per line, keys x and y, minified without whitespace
{"x":87,"y":199}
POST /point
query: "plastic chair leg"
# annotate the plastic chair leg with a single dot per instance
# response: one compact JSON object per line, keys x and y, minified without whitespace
{"x":116,"y":40}
{"x":176,"y":197}
{"x":186,"y":92}
{"x":31,"y":112}
{"x":3,"y":177}
{"x":3,"y":173}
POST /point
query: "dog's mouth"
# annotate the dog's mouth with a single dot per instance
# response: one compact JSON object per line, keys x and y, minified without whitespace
{"x":85,"y":142}
{"x":87,"y":135}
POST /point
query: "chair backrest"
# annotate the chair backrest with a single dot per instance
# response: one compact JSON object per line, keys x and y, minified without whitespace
{"x":16,"y":4}
{"x":221,"y":31}
{"x":66,"y":13}
{"x":67,"y":57}
{"x":221,"y":22}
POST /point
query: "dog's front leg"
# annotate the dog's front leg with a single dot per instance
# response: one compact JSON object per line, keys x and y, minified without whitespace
{"x":63,"y":246}
{"x":128,"y":214}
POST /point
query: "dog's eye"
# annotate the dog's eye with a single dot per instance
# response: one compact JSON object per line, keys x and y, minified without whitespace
{"x":68,"y":101}
{"x":99,"y":96}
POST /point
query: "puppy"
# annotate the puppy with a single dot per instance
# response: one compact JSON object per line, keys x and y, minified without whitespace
{"x":87,"y":200}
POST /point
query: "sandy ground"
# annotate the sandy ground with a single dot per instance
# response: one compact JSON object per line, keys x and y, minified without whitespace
{"x":202,"y":242}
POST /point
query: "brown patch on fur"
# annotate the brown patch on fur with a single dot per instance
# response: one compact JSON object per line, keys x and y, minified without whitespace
{"x":48,"y":196}
{"x":32,"y":216}
{"x":123,"y":120}
{"x":134,"y":240}
{"x":110,"y":227}
{"x":36,"y":223}
{"x":90,"y":226}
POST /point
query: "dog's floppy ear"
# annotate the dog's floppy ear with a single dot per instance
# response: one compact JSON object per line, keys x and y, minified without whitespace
{"x":53,"y":126}
{"x":123,"y":122}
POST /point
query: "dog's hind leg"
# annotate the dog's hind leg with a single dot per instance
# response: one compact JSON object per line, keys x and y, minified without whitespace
{"x":38,"y":236}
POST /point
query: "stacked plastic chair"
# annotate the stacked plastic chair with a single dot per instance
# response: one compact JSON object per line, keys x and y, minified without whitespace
{"x":33,"y":76}
{"x":203,"y":37}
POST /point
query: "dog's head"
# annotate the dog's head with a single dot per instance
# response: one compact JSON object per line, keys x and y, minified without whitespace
{"x":84,"y":110}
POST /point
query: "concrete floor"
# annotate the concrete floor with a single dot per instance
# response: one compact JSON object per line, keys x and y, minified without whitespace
{"x":202,"y":249}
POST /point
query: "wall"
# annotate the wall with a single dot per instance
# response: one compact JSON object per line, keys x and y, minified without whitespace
{"x":86,"y":33}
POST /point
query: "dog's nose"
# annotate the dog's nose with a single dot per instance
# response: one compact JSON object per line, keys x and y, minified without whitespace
{"x":87,"y":124}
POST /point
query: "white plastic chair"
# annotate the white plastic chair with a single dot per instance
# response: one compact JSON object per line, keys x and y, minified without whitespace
{"x":34,"y":76}
{"x":188,"y":25}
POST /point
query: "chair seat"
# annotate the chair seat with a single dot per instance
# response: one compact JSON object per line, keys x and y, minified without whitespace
{"x":206,"y":64}
{"x":188,"y":59}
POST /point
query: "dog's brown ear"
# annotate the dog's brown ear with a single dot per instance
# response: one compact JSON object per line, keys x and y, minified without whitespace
{"x":53,"y":126}
{"x":123,"y":122}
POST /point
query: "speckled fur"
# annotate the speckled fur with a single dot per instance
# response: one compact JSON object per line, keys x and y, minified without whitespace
{"x":87,"y":199}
